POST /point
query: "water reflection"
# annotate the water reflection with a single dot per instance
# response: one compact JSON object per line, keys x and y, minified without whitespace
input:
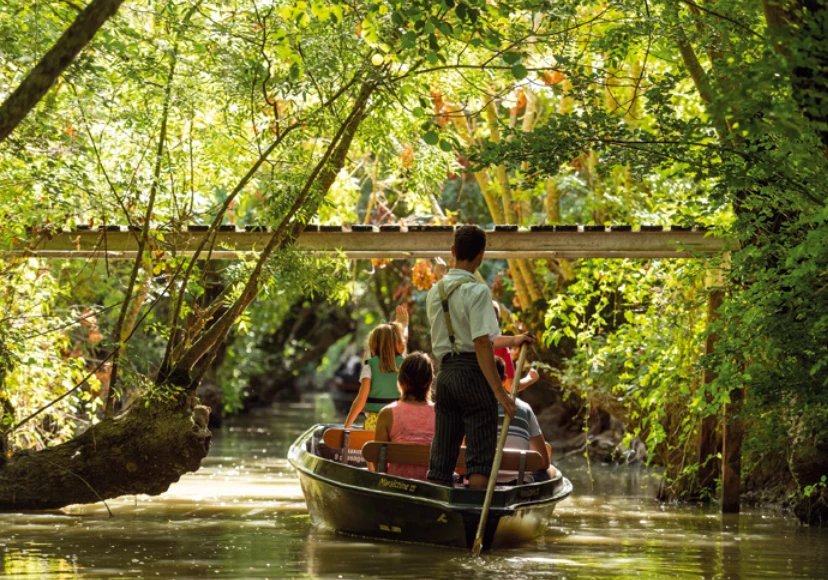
{"x":242,"y":516}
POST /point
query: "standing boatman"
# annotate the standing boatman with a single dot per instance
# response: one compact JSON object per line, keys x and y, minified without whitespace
{"x":464,"y":333}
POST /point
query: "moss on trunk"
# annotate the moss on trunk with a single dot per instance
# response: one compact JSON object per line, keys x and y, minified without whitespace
{"x":142,"y":450}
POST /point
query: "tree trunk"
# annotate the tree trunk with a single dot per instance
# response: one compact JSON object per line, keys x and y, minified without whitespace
{"x":552,"y":202}
{"x":116,"y":457}
{"x":38,"y":82}
{"x":699,"y":76}
{"x":508,"y":213}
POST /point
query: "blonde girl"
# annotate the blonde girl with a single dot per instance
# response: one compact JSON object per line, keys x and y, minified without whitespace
{"x":378,"y":381}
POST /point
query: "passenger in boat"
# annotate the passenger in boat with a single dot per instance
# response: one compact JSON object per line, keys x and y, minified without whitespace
{"x":378,"y":380}
{"x":411,"y":419}
{"x":524,"y":431}
{"x":505,"y":353}
{"x":464,"y":332}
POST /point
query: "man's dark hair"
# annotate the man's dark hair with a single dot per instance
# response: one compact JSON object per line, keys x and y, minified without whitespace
{"x":500,"y":364}
{"x":469,"y":241}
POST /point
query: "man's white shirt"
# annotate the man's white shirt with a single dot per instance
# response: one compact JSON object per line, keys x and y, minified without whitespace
{"x":471,"y":310}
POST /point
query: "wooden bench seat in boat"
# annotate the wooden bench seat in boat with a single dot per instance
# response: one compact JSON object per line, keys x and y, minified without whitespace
{"x":336,"y":439}
{"x":347,"y":443}
{"x":382,"y":453}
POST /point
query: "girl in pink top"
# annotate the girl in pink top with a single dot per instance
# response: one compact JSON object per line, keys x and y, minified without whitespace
{"x":411,"y":419}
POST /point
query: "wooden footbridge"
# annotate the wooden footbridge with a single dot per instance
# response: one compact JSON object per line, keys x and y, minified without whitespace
{"x":389,"y":242}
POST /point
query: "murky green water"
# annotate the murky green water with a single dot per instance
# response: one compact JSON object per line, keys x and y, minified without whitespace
{"x":242,"y":516}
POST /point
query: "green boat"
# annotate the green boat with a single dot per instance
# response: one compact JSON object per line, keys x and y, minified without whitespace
{"x":344,"y":496}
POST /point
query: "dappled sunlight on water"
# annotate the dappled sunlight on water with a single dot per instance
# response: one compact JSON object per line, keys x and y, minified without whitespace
{"x":242,"y":516}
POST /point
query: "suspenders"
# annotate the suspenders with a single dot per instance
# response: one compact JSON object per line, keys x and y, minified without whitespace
{"x":445,"y":294}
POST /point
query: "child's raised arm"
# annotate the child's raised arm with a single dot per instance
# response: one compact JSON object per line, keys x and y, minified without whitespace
{"x":509,"y":341}
{"x":402,"y":319}
{"x":530,"y":379}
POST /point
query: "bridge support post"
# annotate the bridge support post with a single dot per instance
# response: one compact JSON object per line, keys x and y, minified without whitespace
{"x":731,"y":445}
{"x":709,"y":439}
{"x":732,"y":453}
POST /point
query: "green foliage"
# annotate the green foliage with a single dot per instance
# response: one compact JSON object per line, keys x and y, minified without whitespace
{"x":294,"y":279}
{"x":751,"y":161}
{"x":816,"y":488}
{"x":42,"y":358}
{"x":637,"y":330}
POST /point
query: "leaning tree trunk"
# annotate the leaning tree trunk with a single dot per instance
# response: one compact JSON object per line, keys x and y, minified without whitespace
{"x":38,"y":82}
{"x":143,"y":450}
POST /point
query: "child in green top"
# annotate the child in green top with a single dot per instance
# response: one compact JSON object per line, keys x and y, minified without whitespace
{"x":378,"y":381}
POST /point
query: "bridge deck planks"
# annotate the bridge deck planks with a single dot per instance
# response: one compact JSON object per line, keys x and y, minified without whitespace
{"x":394,"y":242}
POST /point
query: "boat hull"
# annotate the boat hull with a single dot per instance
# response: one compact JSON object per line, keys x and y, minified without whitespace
{"x":348,"y":499}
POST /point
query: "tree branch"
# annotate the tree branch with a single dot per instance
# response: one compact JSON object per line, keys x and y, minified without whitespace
{"x":140,"y":259}
{"x":168,"y":362}
{"x":734,"y":22}
{"x":38,"y":82}
{"x":325,"y":172}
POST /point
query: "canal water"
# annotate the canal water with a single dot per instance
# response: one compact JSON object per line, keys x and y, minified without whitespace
{"x":242,"y":516}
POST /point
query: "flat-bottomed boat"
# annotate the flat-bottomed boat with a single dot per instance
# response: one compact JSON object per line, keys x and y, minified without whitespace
{"x":343,"y":495}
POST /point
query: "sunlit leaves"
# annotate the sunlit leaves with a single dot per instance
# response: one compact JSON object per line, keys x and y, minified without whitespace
{"x":519,"y":71}
{"x":431,"y":137}
{"x":42,"y":356}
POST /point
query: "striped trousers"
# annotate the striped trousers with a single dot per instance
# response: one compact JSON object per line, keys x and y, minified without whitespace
{"x":464,"y":405}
